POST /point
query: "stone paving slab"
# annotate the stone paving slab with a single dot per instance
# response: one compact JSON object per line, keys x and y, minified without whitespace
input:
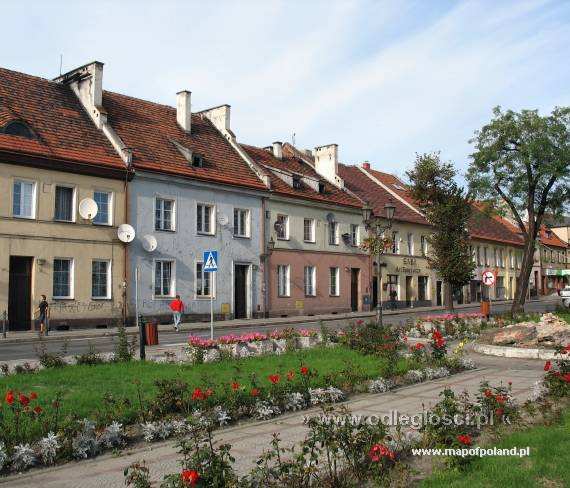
{"x":251,"y":438}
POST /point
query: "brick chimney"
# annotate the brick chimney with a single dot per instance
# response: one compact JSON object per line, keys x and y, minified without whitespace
{"x":366,"y":165}
{"x":183,"y":110}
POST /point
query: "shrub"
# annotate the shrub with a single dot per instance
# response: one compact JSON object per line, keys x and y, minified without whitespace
{"x":557,"y":376}
{"x":51,"y":359}
{"x":90,"y":358}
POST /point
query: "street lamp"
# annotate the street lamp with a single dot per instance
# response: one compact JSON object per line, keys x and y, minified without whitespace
{"x":377,"y":228}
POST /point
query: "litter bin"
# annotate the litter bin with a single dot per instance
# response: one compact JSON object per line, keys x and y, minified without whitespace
{"x":486,"y":308}
{"x":151,"y":333}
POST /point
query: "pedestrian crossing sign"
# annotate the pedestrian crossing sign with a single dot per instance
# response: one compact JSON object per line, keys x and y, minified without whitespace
{"x":210,"y":261}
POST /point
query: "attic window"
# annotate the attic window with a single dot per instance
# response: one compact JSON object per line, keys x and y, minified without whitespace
{"x":321,"y":187}
{"x":297,"y":182}
{"x":17,"y":128}
{"x":197,"y":161}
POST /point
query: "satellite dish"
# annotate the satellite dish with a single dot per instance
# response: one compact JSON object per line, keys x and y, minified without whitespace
{"x":223,"y":219}
{"x":330,"y":217}
{"x":88,"y":208}
{"x":126,"y":233}
{"x":149,"y":243}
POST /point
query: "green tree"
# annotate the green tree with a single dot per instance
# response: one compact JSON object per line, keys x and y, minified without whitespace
{"x":447,"y":208}
{"x":523,"y":158}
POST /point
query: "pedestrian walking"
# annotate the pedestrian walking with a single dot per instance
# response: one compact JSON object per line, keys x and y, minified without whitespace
{"x":43,"y":314}
{"x":177,"y":307}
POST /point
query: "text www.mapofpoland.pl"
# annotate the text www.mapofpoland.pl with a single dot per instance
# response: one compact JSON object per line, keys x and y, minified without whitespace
{"x":474,"y":451}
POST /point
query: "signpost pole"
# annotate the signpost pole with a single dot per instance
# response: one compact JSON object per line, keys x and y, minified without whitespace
{"x":213,"y":274}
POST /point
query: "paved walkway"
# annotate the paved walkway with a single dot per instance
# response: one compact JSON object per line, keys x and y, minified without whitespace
{"x":250,"y":438}
{"x":25,"y":336}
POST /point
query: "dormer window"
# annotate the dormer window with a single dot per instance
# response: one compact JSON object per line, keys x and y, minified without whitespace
{"x":197,"y":161}
{"x":321,"y":187}
{"x":18,"y":128}
{"x":297,"y":182}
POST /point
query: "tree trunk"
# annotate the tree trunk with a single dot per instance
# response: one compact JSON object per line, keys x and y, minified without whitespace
{"x":524,"y":276}
{"x":448,"y":298}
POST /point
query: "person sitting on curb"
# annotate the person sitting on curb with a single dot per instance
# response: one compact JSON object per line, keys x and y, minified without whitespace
{"x":177,"y":307}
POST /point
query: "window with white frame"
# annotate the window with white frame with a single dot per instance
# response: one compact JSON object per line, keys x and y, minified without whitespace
{"x":512,"y":259}
{"x":479,"y":256}
{"x":100,"y":278}
{"x":333,"y":233}
{"x":309,"y":230}
{"x":424,"y":245}
{"x":410,"y":244}
{"x":163,"y":278}
{"x":203,"y":281}
{"x":334,"y":282}
{"x":354,"y":235}
{"x":204,"y":218}
{"x":63,"y":278}
{"x":241,"y":222}
{"x":104,"y":207}
{"x":501,"y":259}
{"x":283,"y":280}
{"x":282,"y":227}
{"x":486,"y":255}
{"x":310,"y":281}
{"x":395,"y":242}
{"x":24,"y":199}
{"x":64,"y":203}
{"x":164,"y":214}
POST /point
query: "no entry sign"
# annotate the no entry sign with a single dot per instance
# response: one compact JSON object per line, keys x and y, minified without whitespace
{"x":488,"y":278}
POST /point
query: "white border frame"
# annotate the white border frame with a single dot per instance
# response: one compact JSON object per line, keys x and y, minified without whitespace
{"x":16,"y":179}
{"x":71,"y":279}
{"x":172,"y":280}
{"x":109,"y":278}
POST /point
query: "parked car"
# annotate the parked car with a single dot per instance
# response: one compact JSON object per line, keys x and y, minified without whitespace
{"x":565,"y":296}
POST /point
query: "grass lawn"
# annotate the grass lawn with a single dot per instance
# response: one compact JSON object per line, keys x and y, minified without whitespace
{"x":84,"y":387}
{"x":548,"y":464}
{"x":564,"y":315}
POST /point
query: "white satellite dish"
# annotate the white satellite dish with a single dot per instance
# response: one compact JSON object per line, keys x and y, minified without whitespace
{"x":126,"y":233}
{"x":149,"y":243}
{"x":223,"y":219}
{"x":88,"y":208}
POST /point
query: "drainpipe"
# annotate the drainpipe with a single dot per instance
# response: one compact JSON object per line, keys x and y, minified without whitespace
{"x":265,"y":257}
{"x":128,"y":172}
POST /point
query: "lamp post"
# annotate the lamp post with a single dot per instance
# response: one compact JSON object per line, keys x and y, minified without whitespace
{"x":374,"y":225}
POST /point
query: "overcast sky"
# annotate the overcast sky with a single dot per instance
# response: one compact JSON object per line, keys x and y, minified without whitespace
{"x":383,"y":80}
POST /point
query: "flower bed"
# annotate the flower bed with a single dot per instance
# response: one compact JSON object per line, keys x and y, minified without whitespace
{"x":459,"y":326}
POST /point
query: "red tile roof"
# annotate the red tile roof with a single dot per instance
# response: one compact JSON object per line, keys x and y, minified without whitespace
{"x":64,"y":130}
{"x":481,"y":225}
{"x":149,"y":129}
{"x":294,"y":165}
{"x":550,"y":239}
{"x":376,"y":196}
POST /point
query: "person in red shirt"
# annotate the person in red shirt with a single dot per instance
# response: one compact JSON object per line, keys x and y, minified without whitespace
{"x":177,"y":307}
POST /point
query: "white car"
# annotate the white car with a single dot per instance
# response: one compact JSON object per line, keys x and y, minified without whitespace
{"x":565,"y":296}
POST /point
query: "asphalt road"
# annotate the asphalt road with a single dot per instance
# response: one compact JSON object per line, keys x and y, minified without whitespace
{"x":27,"y":350}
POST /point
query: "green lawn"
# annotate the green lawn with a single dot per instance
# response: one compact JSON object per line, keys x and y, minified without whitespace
{"x":548,"y":464}
{"x":84,"y":387}
{"x":564,"y":315}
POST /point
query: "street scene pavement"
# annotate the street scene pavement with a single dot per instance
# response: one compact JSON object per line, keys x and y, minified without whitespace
{"x":250,"y":438}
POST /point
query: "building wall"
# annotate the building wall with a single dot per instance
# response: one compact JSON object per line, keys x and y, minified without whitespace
{"x":44,"y":239}
{"x":185,"y":246}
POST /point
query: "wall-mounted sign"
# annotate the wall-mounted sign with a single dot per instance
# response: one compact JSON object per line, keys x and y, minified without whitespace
{"x":225,"y":308}
{"x":299,"y":304}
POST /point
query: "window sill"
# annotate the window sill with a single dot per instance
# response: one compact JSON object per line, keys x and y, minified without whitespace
{"x":102,"y":224}
{"x":163,"y":297}
{"x":282,"y":238}
{"x":309,"y":242}
{"x":59,"y":221}
{"x":333,"y":296}
{"x":240,"y":237}
{"x":310,"y":296}
{"x":283,"y":296}
{"x":23,"y":217}
{"x":170,"y":231}
{"x":102,"y":299}
{"x":200,"y":298}
{"x":61,"y":299}
{"x":206,"y":234}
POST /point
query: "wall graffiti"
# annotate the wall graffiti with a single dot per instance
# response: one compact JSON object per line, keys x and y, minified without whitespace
{"x":79,"y":307}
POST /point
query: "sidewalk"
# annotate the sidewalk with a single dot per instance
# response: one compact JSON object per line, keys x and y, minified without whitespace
{"x":242,"y":323}
{"x":249,"y":439}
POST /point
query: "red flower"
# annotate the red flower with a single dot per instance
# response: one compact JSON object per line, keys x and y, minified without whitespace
{"x":304,"y":370}
{"x":510,"y":383}
{"x":198,"y":394}
{"x":23,"y":399}
{"x":488,"y":393}
{"x":9,"y":397}
{"x":500,"y":399}
{"x":38,"y":409}
{"x":499,"y":412}
{"x":255,"y":392}
{"x":419,"y":346}
{"x":190,"y":477}
{"x":235,"y":385}
{"x":547,"y":366}
{"x":566,"y":349}
{"x":290,"y":375}
{"x":566,"y":377}
{"x":464,"y":439}
{"x":378,"y":451}
{"x":33,"y":396}
{"x":274,"y":378}
{"x":359,"y":322}
{"x":208,"y":393}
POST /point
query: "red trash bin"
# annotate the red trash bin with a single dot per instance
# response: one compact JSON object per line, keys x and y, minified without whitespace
{"x":151,"y":333}
{"x":486,"y":308}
